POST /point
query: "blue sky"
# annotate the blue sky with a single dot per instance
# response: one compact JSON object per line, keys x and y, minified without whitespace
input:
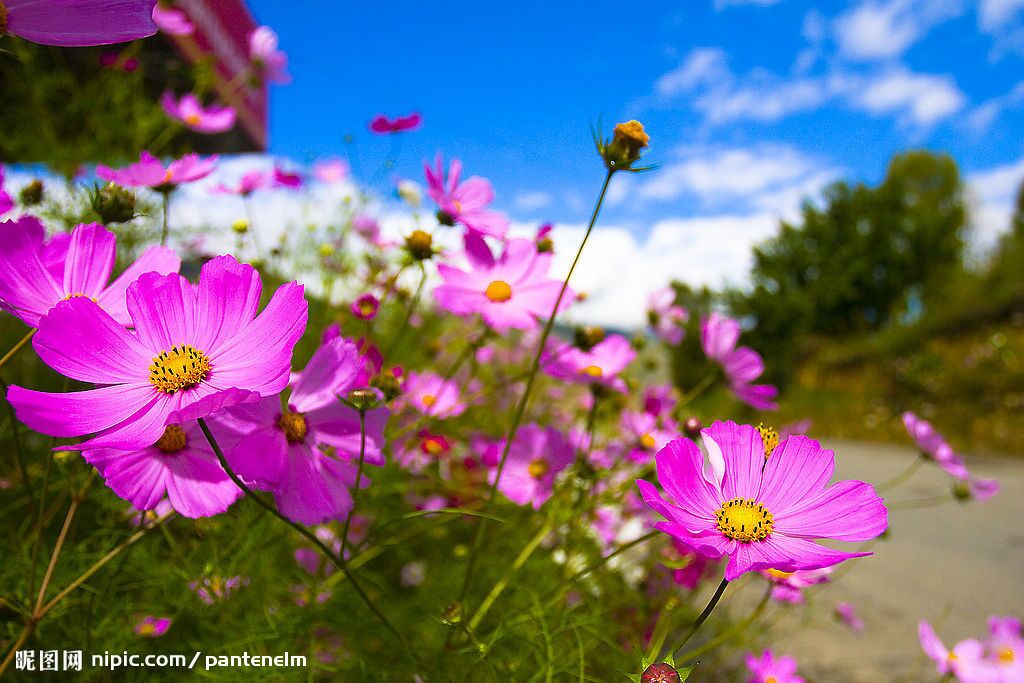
{"x":778,"y":92}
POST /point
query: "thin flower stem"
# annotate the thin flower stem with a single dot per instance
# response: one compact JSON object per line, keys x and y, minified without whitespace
{"x":902,"y":476}
{"x":17,"y":447}
{"x":660,"y":632}
{"x":17,"y":347}
{"x":408,"y":314}
{"x":524,"y":399}
{"x":703,"y":615}
{"x":730,"y":634}
{"x":250,"y":215}
{"x":34,"y":562}
{"x":76,"y":500}
{"x":698,"y":390}
{"x":338,"y":561}
{"x":25,"y":634}
{"x":502,"y":583}
{"x":117,"y":550}
{"x":167,"y":208}
{"x":359,"y":480}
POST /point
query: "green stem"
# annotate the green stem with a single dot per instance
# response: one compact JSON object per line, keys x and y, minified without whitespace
{"x":17,"y":446}
{"x":17,"y":347}
{"x":902,"y":476}
{"x":699,"y":389}
{"x":359,"y":480}
{"x":731,"y":633}
{"x":250,"y":216}
{"x":167,"y":206}
{"x":408,"y":315}
{"x":703,"y":615}
{"x":502,"y":583}
{"x":338,"y":561}
{"x":524,"y":399}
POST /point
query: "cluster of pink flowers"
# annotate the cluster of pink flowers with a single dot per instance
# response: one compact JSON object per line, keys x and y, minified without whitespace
{"x":1000,"y":659}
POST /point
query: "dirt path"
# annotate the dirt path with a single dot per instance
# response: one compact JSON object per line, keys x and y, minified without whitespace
{"x":953,"y":565}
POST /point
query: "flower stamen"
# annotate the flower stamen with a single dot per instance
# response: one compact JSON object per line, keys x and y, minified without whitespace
{"x":182,"y":367}
{"x":770,"y":437}
{"x":538,"y":468}
{"x":498,"y":291}
{"x":745,"y":520}
{"x":294,"y":426}
{"x":172,"y":440}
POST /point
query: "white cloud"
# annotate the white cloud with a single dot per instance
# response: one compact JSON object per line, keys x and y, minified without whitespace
{"x":881,"y":29}
{"x":920,"y":99}
{"x":532,"y":201}
{"x":701,"y":66}
{"x":993,"y":193}
{"x":980,"y":118}
{"x":763,"y":97}
{"x":993,"y":15}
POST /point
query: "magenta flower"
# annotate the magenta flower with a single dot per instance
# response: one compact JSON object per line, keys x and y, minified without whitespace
{"x":761,"y":515}
{"x":848,"y":615}
{"x":247,"y":184}
{"x":201,"y":119}
{"x":981,"y":489}
{"x":665,"y":317}
{"x":149,"y":171}
{"x":269,"y":63}
{"x":36,"y":275}
{"x":113,"y":60}
{"x":365,"y":306}
{"x":181,"y":465}
{"x":77,"y":23}
{"x":536,"y":457}
{"x":383,"y":125}
{"x":768,"y":669}
{"x":718,"y":337}
{"x":934,"y":447}
{"x":602,"y":364}
{"x":964,"y":657}
{"x":195,"y":349}
{"x":152,"y":627}
{"x":688,"y":568}
{"x":282,"y":178}
{"x":331,"y":170}
{"x":214,"y":589}
{"x":659,"y":399}
{"x":6,"y":203}
{"x":172,"y":21}
{"x":509,"y":293}
{"x":789,"y":586}
{"x":999,"y":660}
{"x":643,"y":435}
{"x":466,"y":202}
{"x":431,"y":394}
{"x":282,"y":453}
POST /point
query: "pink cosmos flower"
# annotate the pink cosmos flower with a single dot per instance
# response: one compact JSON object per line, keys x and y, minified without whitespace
{"x":659,"y":399}
{"x":149,"y":171}
{"x":214,"y":589}
{"x":536,"y":457}
{"x":152,"y":627}
{"x":688,"y":568}
{"x":466,"y":202}
{"x":172,"y":21}
{"x":718,"y":337}
{"x":78,"y":23}
{"x":331,"y":170}
{"x":188,"y":110}
{"x":113,"y":60}
{"x":643,"y":435}
{"x":665,"y":317}
{"x":268,"y":62}
{"x":194,"y":349}
{"x":415,"y":454}
{"x":383,"y":125}
{"x":6,"y":203}
{"x":602,"y":364}
{"x":365,"y":306}
{"x":281,"y":451}
{"x":282,"y":178}
{"x":962,"y":659}
{"x":181,"y":465}
{"x":761,"y":515}
{"x":934,"y":447}
{"x":981,"y":489}
{"x":768,"y":669}
{"x":848,"y":615}
{"x":247,"y":184}
{"x":36,"y":275}
{"x":431,"y":394}
{"x":509,"y":293}
{"x":789,"y":586}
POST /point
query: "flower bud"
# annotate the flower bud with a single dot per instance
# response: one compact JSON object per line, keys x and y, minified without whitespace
{"x":625,"y":148}
{"x":445,"y":218}
{"x":241,"y":226}
{"x":420,"y":245}
{"x":113,"y":203}
{"x":365,"y":307}
{"x":452,"y":614}
{"x":587,"y":338}
{"x":388,"y":384}
{"x":660,"y":672}
{"x":365,"y":399}
{"x":410,"y":193}
{"x":32,"y":193}
{"x":692,"y":427}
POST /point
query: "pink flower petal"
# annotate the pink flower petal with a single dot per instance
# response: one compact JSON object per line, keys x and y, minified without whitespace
{"x":847,"y":511}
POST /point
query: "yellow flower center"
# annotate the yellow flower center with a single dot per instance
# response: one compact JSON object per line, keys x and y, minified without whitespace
{"x":745,"y":520}
{"x":167,"y":176}
{"x":634,"y":132}
{"x":647,"y":442}
{"x":192,"y":119}
{"x":366,"y":308}
{"x":182,"y":367}
{"x":294,"y":426}
{"x":1005,"y":655}
{"x":498,"y":291}
{"x":771,"y":679}
{"x":147,"y":629}
{"x":433,"y":447}
{"x":429,"y":400}
{"x":172,"y":440}
{"x":592,"y":371}
{"x":781,"y":576}
{"x":952,"y":656}
{"x":770,"y":437}
{"x":538,"y":468}
{"x":79,"y":294}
